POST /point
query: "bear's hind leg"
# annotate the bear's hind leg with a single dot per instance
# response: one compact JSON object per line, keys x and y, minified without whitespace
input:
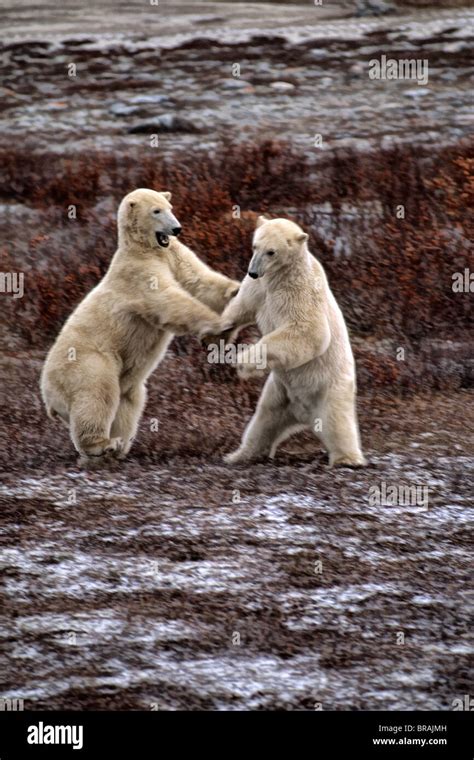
{"x":272,"y":422}
{"x":340,"y":430}
{"x":91,"y":416}
{"x":125,"y":424}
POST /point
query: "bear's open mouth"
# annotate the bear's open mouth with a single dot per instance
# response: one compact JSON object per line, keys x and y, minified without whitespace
{"x":162,"y":239}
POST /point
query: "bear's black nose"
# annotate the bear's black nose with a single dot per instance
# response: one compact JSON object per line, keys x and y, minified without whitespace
{"x":177,"y":230}
{"x":253,"y":275}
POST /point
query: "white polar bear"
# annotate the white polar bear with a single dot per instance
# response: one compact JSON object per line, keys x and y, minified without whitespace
{"x":312,"y":382}
{"x":95,"y":373}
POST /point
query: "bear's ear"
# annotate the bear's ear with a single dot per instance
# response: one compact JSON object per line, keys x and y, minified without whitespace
{"x":167,"y":196}
{"x":261,"y":220}
{"x":302,"y":237}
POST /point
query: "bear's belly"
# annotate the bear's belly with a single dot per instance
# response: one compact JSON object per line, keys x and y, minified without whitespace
{"x":142,"y":356}
{"x":267,"y":322}
{"x":305,"y":387}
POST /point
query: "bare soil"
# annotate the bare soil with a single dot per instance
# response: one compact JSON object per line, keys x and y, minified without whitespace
{"x":175,"y":581}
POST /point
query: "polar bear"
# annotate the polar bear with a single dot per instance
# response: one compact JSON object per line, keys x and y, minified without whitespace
{"x":306,"y":347}
{"x":95,"y":373}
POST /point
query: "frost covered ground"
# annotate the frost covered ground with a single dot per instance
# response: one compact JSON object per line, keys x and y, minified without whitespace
{"x":176,"y":581}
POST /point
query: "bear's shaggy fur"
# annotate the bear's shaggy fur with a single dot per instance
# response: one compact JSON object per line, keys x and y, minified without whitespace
{"x":95,"y":373}
{"x":312,"y":380}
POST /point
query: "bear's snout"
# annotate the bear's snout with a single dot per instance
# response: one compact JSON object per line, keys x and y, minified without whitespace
{"x":177,"y":230}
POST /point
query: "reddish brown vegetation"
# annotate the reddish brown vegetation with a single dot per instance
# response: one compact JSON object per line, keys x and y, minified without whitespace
{"x":392,"y":276}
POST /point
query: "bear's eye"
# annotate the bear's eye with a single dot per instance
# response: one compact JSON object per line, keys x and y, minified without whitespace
{"x":156,"y":211}
{"x":270,"y":253}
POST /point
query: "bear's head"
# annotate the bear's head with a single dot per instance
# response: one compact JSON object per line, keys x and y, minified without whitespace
{"x":145,"y":219}
{"x":277,"y":245}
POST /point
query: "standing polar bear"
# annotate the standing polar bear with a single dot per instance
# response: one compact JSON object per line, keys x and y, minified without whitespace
{"x":312,"y":382}
{"x":95,"y":373}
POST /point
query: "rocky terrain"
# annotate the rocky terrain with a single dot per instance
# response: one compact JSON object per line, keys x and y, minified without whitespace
{"x":168,"y":70}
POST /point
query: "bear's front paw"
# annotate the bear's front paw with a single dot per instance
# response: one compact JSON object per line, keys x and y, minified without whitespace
{"x":210,"y":329}
{"x":223,"y":332}
{"x":232,"y":290}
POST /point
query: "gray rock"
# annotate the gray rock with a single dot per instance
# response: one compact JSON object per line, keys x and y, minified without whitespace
{"x":374,"y":8}
{"x":138,"y":100}
{"x":121,"y":109}
{"x":282,"y":86}
{"x":357,"y":70}
{"x":234,"y":84}
{"x":418,"y":93}
{"x":165,"y":123}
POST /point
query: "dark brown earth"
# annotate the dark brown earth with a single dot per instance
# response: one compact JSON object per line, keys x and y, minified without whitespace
{"x":129,"y":588}
{"x":172,"y":581}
